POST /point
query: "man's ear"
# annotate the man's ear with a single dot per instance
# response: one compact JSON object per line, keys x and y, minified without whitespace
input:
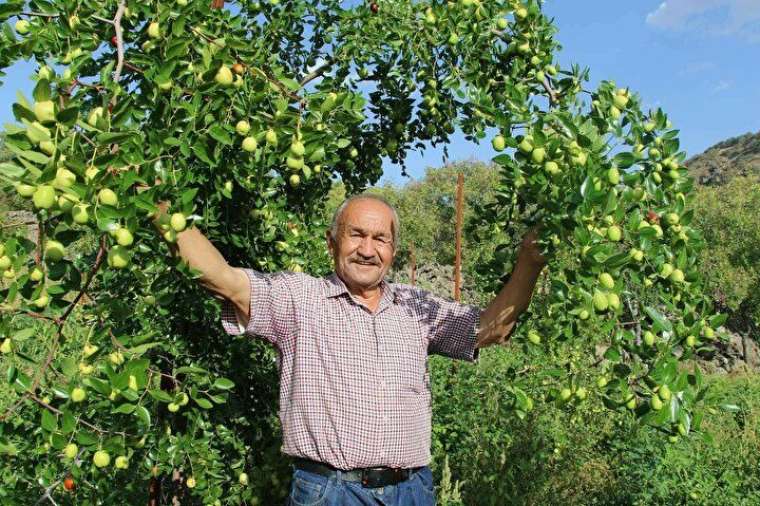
{"x":330,"y":243}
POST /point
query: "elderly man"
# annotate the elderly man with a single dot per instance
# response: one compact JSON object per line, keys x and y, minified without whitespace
{"x":355,"y":399}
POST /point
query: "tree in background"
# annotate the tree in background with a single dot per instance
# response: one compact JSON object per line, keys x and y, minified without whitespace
{"x":728,"y":216}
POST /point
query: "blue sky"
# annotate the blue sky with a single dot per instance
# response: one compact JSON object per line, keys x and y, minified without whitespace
{"x":697,"y":59}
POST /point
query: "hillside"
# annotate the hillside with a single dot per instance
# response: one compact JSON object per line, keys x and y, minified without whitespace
{"x":738,"y":156}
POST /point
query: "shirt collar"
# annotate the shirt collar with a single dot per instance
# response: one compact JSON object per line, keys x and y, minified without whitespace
{"x":335,"y":287}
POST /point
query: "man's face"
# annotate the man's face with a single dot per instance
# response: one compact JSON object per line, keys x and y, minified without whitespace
{"x":363,"y":248}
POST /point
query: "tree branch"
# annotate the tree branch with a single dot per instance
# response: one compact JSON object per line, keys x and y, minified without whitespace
{"x":119,"y":40}
{"x":548,"y":87}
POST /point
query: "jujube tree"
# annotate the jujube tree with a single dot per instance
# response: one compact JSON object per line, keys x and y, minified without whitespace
{"x":239,"y":115}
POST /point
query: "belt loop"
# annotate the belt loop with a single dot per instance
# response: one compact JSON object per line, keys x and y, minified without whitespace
{"x":339,"y":474}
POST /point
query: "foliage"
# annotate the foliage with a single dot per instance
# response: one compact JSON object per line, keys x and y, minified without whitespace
{"x":731,"y":266}
{"x":240,"y":116}
{"x":580,"y":457}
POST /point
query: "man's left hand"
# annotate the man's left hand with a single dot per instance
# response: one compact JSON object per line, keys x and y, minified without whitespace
{"x":530,"y":250}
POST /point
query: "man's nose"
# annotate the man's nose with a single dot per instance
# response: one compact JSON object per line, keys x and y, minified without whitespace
{"x":366,"y":248}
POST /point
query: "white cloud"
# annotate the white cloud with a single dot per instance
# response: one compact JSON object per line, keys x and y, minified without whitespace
{"x":722,"y":85}
{"x":720,"y":17}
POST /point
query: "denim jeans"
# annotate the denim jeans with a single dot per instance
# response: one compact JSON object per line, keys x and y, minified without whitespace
{"x":310,"y":489}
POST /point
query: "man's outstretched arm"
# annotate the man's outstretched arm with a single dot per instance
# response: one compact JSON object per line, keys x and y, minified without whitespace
{"x":499,"y":318}
{"x":217,"y":276}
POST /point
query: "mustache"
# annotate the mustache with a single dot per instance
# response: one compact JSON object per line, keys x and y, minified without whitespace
{"x":356,"y":259}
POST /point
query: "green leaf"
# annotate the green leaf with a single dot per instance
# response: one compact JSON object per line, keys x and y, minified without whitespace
{"x":143,"y":415}
{"x":160,"y":395}
{"x":49,"y":421}
{"x":204,"y":403}
{"x":125,"y":408}
{"x":223,"y":384}
{"x":11,"y":171}
{"x":220,"y":134}
{"x":661,"y":323}
{"x":115,"y":137}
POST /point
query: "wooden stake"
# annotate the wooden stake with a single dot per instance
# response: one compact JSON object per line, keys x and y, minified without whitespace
{"x":413,"y":266}
{"x":459,"y":219}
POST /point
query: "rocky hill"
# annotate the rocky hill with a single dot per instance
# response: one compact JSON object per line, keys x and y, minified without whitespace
{"x":738,"y":156}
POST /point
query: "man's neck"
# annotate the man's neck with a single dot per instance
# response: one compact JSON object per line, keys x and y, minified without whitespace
{"x":369,"y":297}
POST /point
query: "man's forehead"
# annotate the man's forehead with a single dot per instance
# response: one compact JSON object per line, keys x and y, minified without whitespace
{"x":367,"y":212}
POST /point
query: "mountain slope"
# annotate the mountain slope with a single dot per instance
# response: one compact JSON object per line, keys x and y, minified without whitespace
{"x":738,"y":156}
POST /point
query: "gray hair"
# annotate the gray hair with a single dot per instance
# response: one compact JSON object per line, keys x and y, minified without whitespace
{"x":365,"y":196}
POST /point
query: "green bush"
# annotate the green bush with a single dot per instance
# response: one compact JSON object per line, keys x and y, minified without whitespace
{"x":580,"y":454}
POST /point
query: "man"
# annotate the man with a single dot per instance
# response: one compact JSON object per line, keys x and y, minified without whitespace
{"x":355,"y":400}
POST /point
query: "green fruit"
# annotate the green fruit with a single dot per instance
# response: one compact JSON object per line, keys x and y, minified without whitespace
{"x":183,"y":399}
{"x":649,"y":338}
{"x":172,"y":407}
{"x":501,"y":24}
{"x":600,"y":301}
{"x":294,"y":163}
{"x":54,"y":251}
{"x":677,"y":276}
{"x":94,"y":116}
{"x":631,"y":404}
{"x":666,"y":270}
{"x":614,"y":233}
{"x":672,"y":218}
{"x":565,"y":394}
{"x":551,"y":70}
{"x":154,"y":30}
{"x":620,"y":101}
{"x":101,"y":458}
{"x":7,"y":346}
{"x":25,"y":190}
{"x":353,"y":153}
{"x":89,"y":350}
{"x":41,"y":301}
{"x":552,"y":168}
{"x":190,"y":483}
{"x":271,"y":137}
{"x":5,"y":262}
{"x":118,"y":257}
{"x":66,"y":202}
{"x":45,"y":111}
{"x":294,"y":180}
{"x":297,"y":148}
{"x":649,"y":126}
{"x":708,"y":332}
{"x":44,"y":197}
{"x":78,"y":395}
{"x":70,"y":451}
{"x":249,"y":144}
{"x":453,"y":38}
{"x":637,"y":255}
{"x":178,"y":222}
{"x":613,"y":175}
{"x":657,"y":230}
{"x":581,"y":393}
{"x":664,"y":393}
{"x":615,"y":112}
{"x":22,"y":26}
{"x":242,"y":127}
{"x":654,"y":153}
{"x":64,"y":178}
{"x":601,"y":382}
{"x":605,"y":279}
{"x":525,"y":146}
{"x":499,"y":143}
{"x":534,"y":337}
{"x":584,"y":315}
{"x":540,"y":76}
{"x":655,"y":403}
{"x":116,"y":358}
{"x":521,"y":13}
{"x":35,"y":275}
{"x":107,"y":197}
{"x":79,"y":214}
{"x":90,"y":173}
{"x":538,"y":155}
{"x":682,"y":429}
{"x":122,"y":462}
{"x":224,"y":76}
{"x":165,"y":85}
{"x":243,"y":479}
{"x":691,"y":341}
{"x":124,"y":237}
{"x":613,"y":300}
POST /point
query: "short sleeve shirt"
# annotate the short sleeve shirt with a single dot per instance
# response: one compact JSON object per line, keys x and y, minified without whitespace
{"x":355,"y":385}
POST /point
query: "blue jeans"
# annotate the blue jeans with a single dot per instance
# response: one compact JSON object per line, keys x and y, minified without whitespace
{"x":310,"y":489}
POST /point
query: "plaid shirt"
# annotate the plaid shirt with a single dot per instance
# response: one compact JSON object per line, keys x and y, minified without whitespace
{"x":354,"y":386}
